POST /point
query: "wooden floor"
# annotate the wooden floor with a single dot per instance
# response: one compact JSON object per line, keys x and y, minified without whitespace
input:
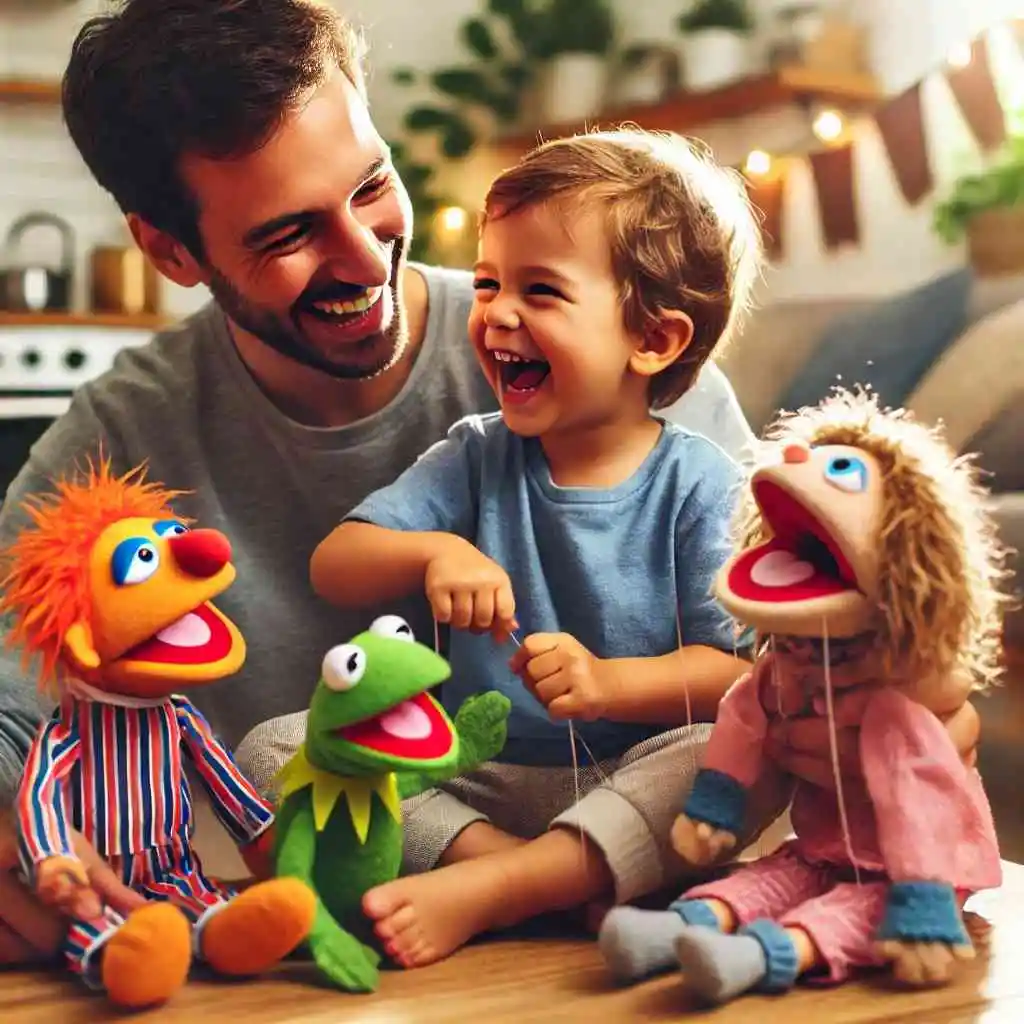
{"x":506,"y":981}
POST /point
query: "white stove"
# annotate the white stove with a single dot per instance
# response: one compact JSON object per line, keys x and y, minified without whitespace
{"x":41,"y":366}
{"x":40,"y":369}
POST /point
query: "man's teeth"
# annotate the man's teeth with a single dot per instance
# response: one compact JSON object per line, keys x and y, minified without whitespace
{"x":357,"y":305}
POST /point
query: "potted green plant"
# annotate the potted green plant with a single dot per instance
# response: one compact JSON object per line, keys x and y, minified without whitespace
{"x":987,"y":208}
{"x":579,"y":39}
{"x":717,"y":46}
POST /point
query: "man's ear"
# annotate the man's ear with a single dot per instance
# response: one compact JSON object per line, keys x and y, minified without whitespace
{"x":166,"y":253}
{"x":80,"y":648}
{"x":664,"y":341}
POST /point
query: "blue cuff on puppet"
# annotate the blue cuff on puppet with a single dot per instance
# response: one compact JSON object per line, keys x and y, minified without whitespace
{"x":923,"y":912}
{"x":718,"y":799}
{"x":782,"y":963}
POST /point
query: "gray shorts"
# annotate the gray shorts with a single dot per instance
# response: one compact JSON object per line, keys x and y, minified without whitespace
{"x":625,"y":806}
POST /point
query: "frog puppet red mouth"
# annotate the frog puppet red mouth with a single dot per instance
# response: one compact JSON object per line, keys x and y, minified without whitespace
{"x":199,"y":637}
{"x":801,"y":561}
{"x":414,"y":729}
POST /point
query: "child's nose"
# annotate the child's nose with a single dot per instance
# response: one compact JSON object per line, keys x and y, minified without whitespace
{"x":201,"y":553}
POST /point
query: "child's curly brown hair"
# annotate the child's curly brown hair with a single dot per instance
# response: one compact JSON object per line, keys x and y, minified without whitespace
{"x":941,"y":565}
{"x":682,"y":231}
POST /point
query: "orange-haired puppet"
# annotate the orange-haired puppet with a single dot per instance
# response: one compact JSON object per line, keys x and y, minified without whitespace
{"x":868,"y":561}
{"x":111,"y":591}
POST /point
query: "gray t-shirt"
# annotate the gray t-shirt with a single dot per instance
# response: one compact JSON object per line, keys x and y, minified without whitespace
{"x":186,"y":403}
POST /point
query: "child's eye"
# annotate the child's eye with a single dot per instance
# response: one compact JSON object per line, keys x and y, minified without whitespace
{"x":545,"y":289}
{"x":485,"y":284}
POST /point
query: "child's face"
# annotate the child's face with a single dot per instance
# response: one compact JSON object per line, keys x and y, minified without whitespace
{"x":547,"y":323}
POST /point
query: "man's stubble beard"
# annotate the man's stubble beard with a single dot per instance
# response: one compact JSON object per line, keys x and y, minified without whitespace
{"x":284,"y":336}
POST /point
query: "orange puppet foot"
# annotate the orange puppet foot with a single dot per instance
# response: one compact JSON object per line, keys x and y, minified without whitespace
{"x":147,"y":959}
{"x":258,"y":927}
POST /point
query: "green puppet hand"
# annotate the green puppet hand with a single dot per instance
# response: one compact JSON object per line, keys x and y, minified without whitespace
{"x":481,"y":723}
{"x":341,"y":957}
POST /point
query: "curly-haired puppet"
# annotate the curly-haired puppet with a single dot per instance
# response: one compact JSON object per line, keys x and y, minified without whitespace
{"x":110,"y":591}
{"x":867,"y":560}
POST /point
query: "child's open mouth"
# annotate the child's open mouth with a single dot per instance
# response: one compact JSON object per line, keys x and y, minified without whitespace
{"x":521,"y":378}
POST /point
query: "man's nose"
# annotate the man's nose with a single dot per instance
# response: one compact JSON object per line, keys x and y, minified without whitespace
{"x":201,"y":553}
{"x":357,"y":255}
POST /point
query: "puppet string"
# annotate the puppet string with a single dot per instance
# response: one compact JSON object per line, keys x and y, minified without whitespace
{"x":834,"y":746}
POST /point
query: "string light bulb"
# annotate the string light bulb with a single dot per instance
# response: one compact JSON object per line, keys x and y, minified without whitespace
{"x":828,"y":125}
{"x":453,"y":219}
{"x":758,"y":162}
{"x":960,"y":56}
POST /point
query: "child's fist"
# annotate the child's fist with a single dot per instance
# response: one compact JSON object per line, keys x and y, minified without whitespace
{"x":564,"y":676}
{"x":468,"y":590}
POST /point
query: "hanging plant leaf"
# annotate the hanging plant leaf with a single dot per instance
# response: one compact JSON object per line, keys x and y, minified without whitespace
{"x":458,"y":139}
{"x":505,"y":105}
{"x":403,"y":76}
{"x":461,"y":83}
{"x":477,"y":36}
{"x":426,"y":119}
{"x":515,"y":76}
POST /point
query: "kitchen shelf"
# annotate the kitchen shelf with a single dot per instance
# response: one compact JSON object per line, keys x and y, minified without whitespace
{"x":685,"y":111}
{"x":29,"y":90}
{"x":140,"y":321}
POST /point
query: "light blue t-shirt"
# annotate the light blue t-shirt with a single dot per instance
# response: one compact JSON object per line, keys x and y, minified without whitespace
{"x":608,"y":566}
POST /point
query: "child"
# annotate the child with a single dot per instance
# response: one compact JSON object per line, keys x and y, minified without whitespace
{"x":610,"y":267}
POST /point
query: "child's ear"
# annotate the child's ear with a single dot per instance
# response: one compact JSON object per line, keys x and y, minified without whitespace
{"x":79,"y":644}
{"x":664,"y":341}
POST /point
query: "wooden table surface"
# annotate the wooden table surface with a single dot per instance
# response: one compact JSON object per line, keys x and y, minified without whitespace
{"x":505,"y":981}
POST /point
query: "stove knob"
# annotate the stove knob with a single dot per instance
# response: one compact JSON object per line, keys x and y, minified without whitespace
{"x":31,"y":357}
{"x":74,"y":359}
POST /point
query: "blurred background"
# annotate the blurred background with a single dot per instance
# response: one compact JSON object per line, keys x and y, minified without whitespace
{"x":881,"y":141}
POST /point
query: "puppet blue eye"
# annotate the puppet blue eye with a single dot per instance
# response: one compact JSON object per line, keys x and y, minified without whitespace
{"x":134,"y":561}
{"x":847,"y":472}
{"x":169,"y":526}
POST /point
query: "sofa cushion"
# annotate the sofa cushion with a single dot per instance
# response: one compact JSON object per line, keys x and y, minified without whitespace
{"x":998,"y":447}
{"x":889,"y":346}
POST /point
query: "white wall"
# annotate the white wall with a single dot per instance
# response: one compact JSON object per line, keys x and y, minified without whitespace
{"x":39,"y":168}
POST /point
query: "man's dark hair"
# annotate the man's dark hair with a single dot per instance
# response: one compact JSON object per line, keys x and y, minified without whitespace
{"x":158,"y":79}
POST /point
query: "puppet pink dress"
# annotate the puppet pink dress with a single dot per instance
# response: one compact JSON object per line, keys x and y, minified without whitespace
{"x":867,"y":562}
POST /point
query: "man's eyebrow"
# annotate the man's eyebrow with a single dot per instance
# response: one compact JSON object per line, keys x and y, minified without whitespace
{"x":254,"y":236}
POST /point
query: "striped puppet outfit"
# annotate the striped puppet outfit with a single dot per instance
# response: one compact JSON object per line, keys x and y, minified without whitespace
{"x":112,"y":768}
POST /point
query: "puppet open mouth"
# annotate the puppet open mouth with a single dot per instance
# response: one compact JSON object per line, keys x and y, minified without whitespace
{"x":801,"y":561}
{"x":200,"y":637}
{"x":412,"y":730}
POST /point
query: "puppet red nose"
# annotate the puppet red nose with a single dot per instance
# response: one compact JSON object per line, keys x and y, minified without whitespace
{"x":795,"y":453}
{"x":201,"y":553}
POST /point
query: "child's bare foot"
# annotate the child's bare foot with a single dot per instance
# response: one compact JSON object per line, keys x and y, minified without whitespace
{"x":424,"y":918}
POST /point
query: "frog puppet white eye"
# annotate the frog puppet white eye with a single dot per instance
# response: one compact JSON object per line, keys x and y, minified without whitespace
{"x":343,"y":667}
{"x":393,"y":626}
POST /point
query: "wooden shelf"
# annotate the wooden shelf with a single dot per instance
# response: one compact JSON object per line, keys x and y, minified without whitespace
{"x":140,"y":321}
{"x":29,"y":90}
{"x":684,"y":111}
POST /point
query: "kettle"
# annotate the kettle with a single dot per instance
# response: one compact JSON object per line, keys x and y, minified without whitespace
{"x":34,"y":287}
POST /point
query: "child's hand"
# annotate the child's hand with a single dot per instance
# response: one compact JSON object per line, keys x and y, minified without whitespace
{"x":468,"y":590}
{"x":698,"y":843}
{"x":564,"y":676}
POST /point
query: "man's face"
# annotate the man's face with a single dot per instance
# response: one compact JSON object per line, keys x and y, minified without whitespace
{"x":304,"y":238}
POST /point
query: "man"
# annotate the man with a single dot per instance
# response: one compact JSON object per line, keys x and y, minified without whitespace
{"x":237,"y":141}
